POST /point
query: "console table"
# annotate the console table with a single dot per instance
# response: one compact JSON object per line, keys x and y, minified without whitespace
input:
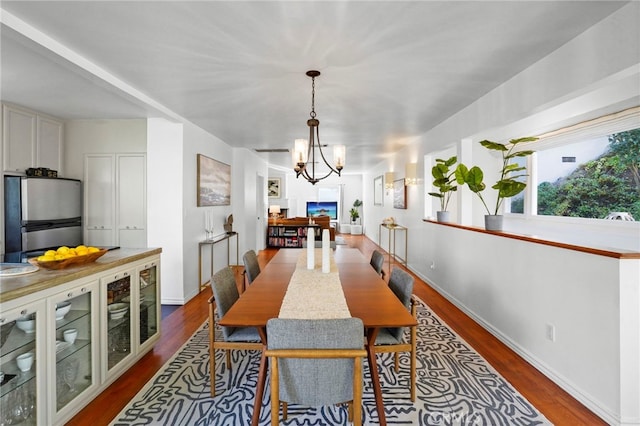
{"x":391,"y":231}
{"x":212,"y":242}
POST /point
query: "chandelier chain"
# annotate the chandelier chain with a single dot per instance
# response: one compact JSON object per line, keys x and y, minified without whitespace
{"x":313,"y":98}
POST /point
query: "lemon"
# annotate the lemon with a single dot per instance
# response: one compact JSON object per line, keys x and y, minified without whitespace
{"x":50,"y":253}
{"x":80,"y":248}
{"x":59,"y":257}
{"x":82,"y":252}
{"x":63,"y":250}
{"x":93,"y":249}
{"x":46,"y":258}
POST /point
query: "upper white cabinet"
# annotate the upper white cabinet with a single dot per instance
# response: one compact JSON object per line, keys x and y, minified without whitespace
{"x":30,"y":139}
{"x":115,"y":199}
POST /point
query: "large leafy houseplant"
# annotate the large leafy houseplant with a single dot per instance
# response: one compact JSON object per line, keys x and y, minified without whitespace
{"x":445,"y":180}
{"x":354,"y":212}
{"x":508,"y":184}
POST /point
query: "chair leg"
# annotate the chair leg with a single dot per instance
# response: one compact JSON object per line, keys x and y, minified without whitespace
{"x":285,"y":412}
{"x":212,"y":368}
{"x":413,"y":363}
{"x":357,"y":392}
{"x":350,"y":411}
{"x":397,"y":361}
{"x":228,"y":354}
{"x":275,"y":393}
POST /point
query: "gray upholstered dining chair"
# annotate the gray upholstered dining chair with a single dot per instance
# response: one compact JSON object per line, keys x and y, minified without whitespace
{"x":225,"y":294}
{"x":392,"y":339}
{"x":251,"y":266}
{"x":377,"y":260}
{"x":315,"y":363}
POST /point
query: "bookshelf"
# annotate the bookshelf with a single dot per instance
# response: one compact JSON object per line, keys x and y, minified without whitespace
{"x":289,"y":236}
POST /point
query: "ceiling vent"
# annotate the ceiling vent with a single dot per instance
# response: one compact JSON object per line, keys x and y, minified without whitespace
{"x":271,"y":150}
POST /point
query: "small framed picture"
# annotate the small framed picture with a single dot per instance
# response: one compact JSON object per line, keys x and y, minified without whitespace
{"x":399,"y":194}
{"x":377,"y":191}
{"x":273,"y":187}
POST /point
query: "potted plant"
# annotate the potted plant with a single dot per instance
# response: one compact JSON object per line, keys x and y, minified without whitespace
{"x":354,"y":212}
{"x":507,"y":185}
{"x":444,"y":179}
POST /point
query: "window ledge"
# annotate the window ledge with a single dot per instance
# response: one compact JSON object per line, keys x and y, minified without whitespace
{"x":615,"y":253}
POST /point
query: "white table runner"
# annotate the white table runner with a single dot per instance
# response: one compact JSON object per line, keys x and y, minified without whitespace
{"x":312,"y":294}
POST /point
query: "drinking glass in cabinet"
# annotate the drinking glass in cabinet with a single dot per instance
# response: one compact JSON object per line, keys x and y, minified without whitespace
{"x":118,"y":320}
{"x":18,"y":369}
{"x":73,"y":347}
{"x":148,"y":307}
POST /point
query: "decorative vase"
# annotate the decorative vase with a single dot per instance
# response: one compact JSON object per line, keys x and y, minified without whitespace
{"x":493,"y":222}
{"x":443,"y":216}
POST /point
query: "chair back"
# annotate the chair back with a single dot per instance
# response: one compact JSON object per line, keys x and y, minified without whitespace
{"x":401,"y":284}
{"x":251,"y":265}
{"x":315,"y":382}
{"x":225,"y":293}
{"x":377,"y":260}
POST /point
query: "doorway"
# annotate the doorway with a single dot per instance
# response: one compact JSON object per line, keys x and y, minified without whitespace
{"x":261,"y":211}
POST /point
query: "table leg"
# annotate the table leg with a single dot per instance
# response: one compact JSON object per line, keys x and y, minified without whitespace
{"x":372,"y":333}
{"x":262,"y":379}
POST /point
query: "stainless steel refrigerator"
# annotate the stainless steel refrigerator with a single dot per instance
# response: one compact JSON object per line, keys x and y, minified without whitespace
{"x":40,"y":213}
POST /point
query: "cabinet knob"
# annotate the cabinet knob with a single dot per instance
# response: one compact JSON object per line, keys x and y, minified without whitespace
{"x":70,"y":294}
{"x":2,"y":320}
{"x":23,"y":312}
{"x":83,"y":290}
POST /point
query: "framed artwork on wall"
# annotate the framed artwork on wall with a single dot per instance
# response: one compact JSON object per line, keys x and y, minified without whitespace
{"x":399,"y":194}
{"x":214,"y":182}
{"x":273,"y":187}
{"x":378,"y":191}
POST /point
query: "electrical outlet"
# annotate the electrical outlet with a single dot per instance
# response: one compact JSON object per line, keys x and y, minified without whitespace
{"x":551,"y":332}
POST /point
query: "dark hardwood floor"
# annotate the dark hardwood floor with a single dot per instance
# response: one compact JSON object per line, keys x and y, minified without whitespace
{"x":556,"y":404}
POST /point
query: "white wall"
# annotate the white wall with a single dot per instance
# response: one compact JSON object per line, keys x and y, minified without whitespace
{"x":99,"y":137}
{"x":299,"y":191}
{"x":164,"y":211}
{"x":515,"y":288}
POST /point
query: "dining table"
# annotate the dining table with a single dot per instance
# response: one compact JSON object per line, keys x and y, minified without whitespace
{"x":367,"y":296}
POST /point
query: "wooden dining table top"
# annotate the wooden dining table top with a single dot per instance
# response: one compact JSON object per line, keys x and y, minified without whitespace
{"x":368,"y":296}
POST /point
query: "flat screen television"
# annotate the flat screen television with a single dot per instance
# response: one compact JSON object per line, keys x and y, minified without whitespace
{"x":322,"y":208}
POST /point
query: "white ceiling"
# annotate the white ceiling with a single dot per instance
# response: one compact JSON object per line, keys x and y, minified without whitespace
{"x":391,"y":70}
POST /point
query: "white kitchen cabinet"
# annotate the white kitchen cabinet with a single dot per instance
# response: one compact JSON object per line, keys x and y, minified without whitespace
{"x":99,"y":199}
{"x":115,"y":200}
{"x":131,"y":201}
{"x":23,"y":396}
{"x":76,"y":372}
{"x":31,"y":139}
{"x":64,"y":377}
{"x":49,"y":146}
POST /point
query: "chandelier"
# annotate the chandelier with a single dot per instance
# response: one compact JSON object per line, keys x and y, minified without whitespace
{"x":304,"y":151}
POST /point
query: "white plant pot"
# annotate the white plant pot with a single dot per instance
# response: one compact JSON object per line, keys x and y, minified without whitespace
{"x":493,"y":222}
{"x":443,"y":216}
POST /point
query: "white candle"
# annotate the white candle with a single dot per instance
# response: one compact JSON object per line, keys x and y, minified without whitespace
{"x":311,"y":247}
{"x":326,"y":246}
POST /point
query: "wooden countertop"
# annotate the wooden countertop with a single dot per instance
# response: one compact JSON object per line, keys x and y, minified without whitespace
{"x":23,"y":285}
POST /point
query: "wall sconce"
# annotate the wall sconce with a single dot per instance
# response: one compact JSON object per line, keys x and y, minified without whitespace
{"x":411,"y":174}
{"x":388,"y":180}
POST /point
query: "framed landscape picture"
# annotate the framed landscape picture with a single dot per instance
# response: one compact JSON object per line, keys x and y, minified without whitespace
{"x":273,"y":187}
{"x":214,"y":182}
{"x":399,"y":194}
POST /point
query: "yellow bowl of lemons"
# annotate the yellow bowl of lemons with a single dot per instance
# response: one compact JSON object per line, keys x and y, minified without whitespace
{"x":64,"y":256}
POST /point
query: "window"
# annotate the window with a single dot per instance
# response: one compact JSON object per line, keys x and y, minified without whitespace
{"x":588,"y":171}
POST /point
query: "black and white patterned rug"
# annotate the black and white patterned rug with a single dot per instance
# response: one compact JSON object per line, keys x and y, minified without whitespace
{"x":455,"y":386}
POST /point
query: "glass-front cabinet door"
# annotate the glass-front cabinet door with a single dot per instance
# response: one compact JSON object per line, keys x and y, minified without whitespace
{"x":21,"y":361}
{"x":73,"y":338}
{"x":148,"y":296}
{"x":117,"y":319}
